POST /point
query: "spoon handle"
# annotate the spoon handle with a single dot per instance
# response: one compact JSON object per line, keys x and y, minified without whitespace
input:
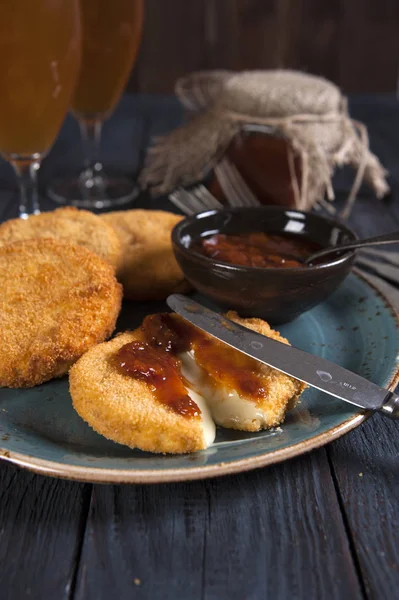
{"x":386,"y":238}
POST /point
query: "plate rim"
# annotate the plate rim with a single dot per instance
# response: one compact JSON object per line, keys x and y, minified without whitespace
{"x":154,"y":476}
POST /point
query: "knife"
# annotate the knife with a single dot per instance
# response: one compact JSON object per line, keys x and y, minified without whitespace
{"x":313,"y":370}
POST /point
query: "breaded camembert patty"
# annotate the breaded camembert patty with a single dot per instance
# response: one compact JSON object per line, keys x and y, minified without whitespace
{"x":56,"y":301}
{"x":70,"y":224}
{"x":233,"y":408}
{"x":149,"y":270}
{"x":125,"y":410}
{"x":226,"y":387}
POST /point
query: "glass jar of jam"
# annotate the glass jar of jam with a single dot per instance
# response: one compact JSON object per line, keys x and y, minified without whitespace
{"x":262,"y":157}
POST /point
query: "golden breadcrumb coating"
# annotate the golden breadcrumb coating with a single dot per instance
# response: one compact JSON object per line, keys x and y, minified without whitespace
{"x":283,"y":391}
{"x":70,"y":224}
{"x":124,"y":409}
{"x":56,"y":301}
{"x":149,"y":269}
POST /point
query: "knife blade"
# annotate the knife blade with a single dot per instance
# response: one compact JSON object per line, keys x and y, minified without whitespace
{"x":309,"y":368}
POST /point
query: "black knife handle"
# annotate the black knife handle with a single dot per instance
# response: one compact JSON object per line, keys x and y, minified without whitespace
{"x":391,"y":407}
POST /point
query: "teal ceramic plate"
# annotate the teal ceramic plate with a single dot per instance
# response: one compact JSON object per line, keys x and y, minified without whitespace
{"x":356,"y":328}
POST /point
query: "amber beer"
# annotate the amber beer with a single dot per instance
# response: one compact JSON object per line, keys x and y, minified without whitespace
{"x":111,"y":38}
{"x":40,"y":57}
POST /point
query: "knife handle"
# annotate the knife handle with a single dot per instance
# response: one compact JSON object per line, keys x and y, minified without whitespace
{"x":391,"y":407}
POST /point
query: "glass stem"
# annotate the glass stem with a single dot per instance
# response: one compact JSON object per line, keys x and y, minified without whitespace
{"x":26,"y":171}
{"x":90,"y":130}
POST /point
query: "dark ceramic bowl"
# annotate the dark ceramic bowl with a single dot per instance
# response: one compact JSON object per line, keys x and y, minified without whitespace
{"x":275,"y":294}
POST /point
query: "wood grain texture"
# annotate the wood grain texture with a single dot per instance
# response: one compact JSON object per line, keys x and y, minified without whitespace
{"x":173,"y":43}
{"x":367,"y":473}
{"x":41,"y":527}
{"x":312,"y":37}
{"x":273,"y":533}
{"x":354,"y":43}
{"x":244,"y":34}
{"x":369,"y":46}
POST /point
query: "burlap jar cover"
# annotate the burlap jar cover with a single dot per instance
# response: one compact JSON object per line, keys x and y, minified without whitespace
{"x":309,"y":111}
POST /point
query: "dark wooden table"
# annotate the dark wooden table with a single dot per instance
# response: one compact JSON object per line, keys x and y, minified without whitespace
{"x":322,"y":526}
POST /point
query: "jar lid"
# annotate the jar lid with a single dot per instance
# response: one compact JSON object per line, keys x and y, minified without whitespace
{"x":309,"y":111}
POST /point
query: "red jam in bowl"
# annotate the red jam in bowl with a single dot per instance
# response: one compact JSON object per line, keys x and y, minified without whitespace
{"x":258,"y":249}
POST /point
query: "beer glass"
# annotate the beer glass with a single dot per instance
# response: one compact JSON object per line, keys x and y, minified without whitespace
{"x":111,"y":38}
{"x":40,"y":44}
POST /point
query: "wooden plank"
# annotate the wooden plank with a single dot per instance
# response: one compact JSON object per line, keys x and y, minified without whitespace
{"x":221,"y":27}
{"x":143,"y":541}
{"x":244,"y":34}
{"x":283,"y":531}
{"x":273,"y":533}
{"x":173,"y":43}
{"x":352,"y":43}
{"x":41,"y":526}
{"x":312,"y":37}
{"x":366,"y":468}
{"x":369,"y":46}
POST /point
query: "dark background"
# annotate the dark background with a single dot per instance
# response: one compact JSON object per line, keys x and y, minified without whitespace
{"x":355,"y":43}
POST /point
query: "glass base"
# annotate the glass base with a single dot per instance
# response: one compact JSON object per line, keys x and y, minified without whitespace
{"x":93,"y":189}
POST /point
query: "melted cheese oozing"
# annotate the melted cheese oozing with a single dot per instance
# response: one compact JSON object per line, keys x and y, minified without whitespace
{"x":208,"y":425}
{"x":225,"y":406}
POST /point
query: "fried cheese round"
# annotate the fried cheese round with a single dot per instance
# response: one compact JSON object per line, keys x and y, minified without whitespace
{"x":57,"y":300}
{"x":149,"y":270}
{"x":282,"y":391}
{"x":70,"y":224}
{"x":125,"y":410}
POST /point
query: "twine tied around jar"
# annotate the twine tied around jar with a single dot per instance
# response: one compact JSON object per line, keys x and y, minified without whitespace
{"x":308,"y":111}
